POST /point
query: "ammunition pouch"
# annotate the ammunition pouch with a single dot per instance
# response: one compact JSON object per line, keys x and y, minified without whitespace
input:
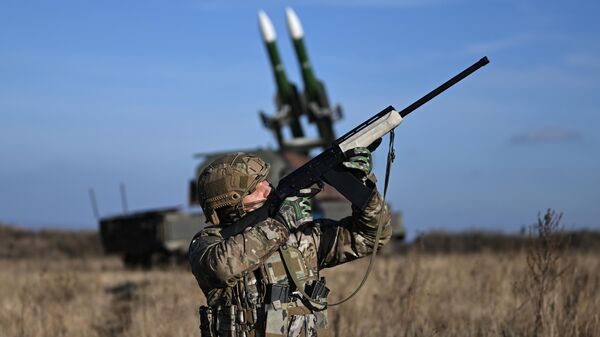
{"x":277,"y":294}
{"x":229,"y":321}
{"x":317,"y":290}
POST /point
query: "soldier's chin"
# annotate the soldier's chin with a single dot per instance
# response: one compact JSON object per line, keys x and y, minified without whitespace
{"x":253,"y":206}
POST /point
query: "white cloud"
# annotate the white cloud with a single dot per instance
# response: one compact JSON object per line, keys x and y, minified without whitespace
{"x":546,"y":135}
{"x":501,"y":44}
{"x":583,"y":60}
{"x":546,"y":79}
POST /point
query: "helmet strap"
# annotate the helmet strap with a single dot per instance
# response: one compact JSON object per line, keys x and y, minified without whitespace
{"x":213,"y":217}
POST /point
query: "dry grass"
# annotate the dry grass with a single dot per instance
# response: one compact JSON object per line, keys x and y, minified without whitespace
{"x":466,"y":295}
{"x":485,"y":294}
{"x":476,"y":285}
{"x":18,"y":243}
{"x":74,"y":298}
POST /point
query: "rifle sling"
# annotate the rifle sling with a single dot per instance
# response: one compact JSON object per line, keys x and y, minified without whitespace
{"x":390,"y":160}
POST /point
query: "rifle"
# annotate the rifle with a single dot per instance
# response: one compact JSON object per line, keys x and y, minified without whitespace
{"x":327,"y":166}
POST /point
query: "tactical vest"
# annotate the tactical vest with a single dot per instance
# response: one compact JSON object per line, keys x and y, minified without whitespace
{"x":268,"y":303}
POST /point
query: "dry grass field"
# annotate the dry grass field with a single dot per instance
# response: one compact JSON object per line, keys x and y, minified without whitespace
{"x":485,"y":294}
{"x":540,"y":288}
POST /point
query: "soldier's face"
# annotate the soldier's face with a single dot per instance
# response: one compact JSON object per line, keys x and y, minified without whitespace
{"x":255,"y":199}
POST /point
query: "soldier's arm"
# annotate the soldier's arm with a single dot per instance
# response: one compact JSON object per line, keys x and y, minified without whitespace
{"x":354,"y":236}
{"x":219,"y":261}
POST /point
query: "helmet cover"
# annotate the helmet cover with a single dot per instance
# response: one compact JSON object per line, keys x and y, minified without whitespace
{"x":225,"y":182}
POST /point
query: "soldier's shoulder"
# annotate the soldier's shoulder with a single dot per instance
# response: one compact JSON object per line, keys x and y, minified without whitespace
{"x":206,"y":237}
{"x":209,"y":231}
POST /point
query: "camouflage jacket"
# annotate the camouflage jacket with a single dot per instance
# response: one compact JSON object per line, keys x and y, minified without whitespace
{"x":233,"y":271}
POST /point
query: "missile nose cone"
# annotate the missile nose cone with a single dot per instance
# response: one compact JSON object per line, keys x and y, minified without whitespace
{"x":266,"y":27}
{"x":294,"y":24}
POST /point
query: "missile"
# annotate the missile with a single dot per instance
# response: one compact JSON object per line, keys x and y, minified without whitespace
{"x":316,"y":99}
{"x":269,"y":37}
{"x":287,"y":98}
{"x":297,"y":34}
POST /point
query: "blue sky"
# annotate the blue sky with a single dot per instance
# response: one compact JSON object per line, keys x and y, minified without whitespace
{"x":95,"y":93}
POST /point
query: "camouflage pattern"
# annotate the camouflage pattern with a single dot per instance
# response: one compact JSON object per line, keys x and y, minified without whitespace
{"x":360,"y":161}
{"x":234,"y":272}
{"x":295,"y":211}
{"x":224,"y":183}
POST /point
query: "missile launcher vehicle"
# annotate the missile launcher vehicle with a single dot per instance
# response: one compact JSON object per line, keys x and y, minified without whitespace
{"x":161,"y":235}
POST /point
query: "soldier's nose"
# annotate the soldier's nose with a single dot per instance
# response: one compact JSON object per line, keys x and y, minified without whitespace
{"x":266,"y":188}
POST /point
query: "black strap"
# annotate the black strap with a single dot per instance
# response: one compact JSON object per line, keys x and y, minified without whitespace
{"x":390,"y":160}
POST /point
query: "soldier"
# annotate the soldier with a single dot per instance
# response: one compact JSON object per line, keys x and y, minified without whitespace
{"x":265,"y":281}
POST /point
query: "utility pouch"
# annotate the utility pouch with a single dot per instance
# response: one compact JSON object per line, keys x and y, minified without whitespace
{"x":207,"y":322}
{"x":317,"y":289}
{"x":277,"y":294}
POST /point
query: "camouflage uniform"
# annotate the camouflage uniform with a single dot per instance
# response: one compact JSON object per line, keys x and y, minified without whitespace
{"x":245,"y":281}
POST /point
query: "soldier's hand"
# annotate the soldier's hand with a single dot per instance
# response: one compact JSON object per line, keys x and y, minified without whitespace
{"x":295,"y":211}
{"x":359,"y":161}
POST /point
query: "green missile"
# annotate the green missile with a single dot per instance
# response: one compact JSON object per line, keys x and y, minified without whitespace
{"x":317,"y":102}
{"x":287,"y":94}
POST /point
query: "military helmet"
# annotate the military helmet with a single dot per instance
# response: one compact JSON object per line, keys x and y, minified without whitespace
{"x":225,"y":182}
